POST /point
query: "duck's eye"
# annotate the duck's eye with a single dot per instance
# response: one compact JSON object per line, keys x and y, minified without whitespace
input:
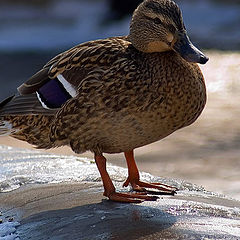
{"x":157,"y":20}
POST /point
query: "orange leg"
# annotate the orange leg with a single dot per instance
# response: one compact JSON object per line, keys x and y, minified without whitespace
{"x":109,"y":189}
{"x":134,"y":178}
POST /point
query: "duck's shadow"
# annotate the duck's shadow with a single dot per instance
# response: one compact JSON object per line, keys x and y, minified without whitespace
{"x":105,"y":220}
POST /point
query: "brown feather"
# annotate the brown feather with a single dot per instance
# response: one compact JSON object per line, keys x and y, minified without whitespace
{"x":35,"y":82}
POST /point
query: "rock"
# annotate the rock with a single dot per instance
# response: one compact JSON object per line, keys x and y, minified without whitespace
{"x":10,"y":219}
{"x":77,"y":211}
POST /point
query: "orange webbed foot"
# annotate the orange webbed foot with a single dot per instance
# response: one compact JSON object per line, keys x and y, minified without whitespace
{"x":130,"y":197}
{"x":140,"y":186}
{"x":109,"y":188}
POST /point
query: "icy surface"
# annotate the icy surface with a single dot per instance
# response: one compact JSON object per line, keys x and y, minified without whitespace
{"x":21,"y":166}
{"x":7,"y":231}
{"x":167,"y":218}
{"x":192,"y":214}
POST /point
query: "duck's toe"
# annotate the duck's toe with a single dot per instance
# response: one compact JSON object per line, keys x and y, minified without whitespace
{"x":163,"y":189}
{"x":131,"y":197}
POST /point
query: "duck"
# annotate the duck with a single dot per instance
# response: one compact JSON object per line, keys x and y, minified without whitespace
{"x":114,"y":95}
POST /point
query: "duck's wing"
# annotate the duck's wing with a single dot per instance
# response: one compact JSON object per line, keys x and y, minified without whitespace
{"x":39,"y":95}
{"x":58,"y":81}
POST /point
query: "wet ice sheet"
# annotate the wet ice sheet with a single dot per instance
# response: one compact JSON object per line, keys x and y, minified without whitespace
{"x":8,"y":231}
{"x":21,"y":166}
{"x":204,"y":221}
{"x":167,"y":218}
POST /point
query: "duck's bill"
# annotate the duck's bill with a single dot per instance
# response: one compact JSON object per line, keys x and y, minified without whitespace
{"x":188,"y":51}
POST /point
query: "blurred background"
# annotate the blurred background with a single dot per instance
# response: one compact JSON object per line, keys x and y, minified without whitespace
{"x":206,"y":153}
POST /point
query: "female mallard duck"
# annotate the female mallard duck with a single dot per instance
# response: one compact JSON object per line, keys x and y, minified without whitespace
{"x":114,"y":95}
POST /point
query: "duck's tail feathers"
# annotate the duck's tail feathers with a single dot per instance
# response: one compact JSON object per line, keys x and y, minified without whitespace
{"x":6,"y":128}
{"x":24,"y":105}
{"x":21,"y":117}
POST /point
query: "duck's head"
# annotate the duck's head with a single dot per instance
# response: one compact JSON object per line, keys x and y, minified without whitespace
{"x":157,"y":26}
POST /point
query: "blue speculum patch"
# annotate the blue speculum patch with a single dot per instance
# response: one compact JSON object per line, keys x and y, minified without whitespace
{"x":53,"y":94}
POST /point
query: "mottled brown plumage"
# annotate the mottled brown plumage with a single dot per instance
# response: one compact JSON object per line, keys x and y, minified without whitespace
{"x":153,"y":100}
{"x":131,"y":91}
